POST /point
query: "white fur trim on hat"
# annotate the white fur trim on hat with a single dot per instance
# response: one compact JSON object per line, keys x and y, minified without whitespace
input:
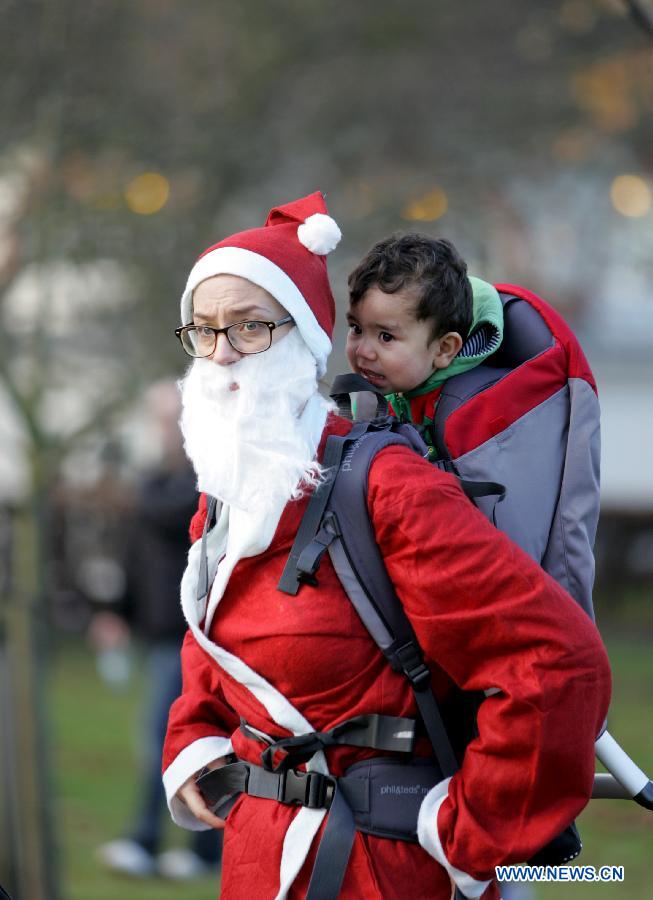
{"x":266,"y":274}
{"x":319,"y":234}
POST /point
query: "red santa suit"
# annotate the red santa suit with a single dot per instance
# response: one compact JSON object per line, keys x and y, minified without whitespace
{"x":488,"y":619}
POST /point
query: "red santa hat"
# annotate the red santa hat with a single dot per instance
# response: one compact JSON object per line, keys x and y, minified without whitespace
{"x":286,"y":257}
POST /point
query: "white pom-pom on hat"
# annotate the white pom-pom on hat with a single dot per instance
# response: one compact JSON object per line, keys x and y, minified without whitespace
{"x":319,"y":234}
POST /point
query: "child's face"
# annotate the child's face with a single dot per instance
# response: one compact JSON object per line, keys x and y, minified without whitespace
{"x":392,"y":349}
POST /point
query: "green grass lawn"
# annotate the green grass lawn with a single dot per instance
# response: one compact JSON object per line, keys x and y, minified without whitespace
{"x":95,"y":780}
{"x":618,"y":832}
{"x":96,"y":736}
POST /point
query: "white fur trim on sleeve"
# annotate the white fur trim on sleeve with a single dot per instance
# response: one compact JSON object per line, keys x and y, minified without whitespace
{"x":429,"y":838}
{"x":191,"y":759}
{"x":319,"y":234}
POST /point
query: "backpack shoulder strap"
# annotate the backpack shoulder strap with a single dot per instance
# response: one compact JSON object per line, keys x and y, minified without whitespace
{"x":345,"y":385}
{"x":312,"y":539}
{"x":345,"y":530}
{"x":359,"y":565}
{"x":292,"y":576}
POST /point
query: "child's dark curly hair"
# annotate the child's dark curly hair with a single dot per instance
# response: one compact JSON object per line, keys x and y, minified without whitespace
{"x":430,"y":268}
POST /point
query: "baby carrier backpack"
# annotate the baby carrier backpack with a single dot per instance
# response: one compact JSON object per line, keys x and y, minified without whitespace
{"x":521,"y":432}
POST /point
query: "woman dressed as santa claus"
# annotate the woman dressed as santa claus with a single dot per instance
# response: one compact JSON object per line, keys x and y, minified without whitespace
{"x":260,"y":665}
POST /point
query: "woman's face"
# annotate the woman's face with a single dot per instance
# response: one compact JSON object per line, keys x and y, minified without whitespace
{"x":226,"y":299}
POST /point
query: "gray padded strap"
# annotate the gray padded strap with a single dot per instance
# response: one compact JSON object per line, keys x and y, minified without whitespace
{"x":345,"y":385}
{"x":290,"y":580}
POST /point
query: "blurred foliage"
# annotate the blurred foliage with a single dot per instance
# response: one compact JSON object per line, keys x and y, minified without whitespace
{"x":240,"y":105}
{"x":236,"y":106}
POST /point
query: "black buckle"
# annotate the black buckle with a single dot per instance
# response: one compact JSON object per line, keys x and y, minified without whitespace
{"x":311,"y":789}
{"x":290,"y":751}
{"x":310,"y":558}
{"x":412,"y":665}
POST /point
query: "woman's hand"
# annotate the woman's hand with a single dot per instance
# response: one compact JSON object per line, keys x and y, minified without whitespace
{"x":190,"y":794}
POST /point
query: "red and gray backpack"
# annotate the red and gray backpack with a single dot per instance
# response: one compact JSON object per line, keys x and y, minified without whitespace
{"x":521,"y":432}
{"x":529,"y":419}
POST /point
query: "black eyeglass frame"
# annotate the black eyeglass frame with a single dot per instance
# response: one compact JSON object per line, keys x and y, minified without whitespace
{"x":179,"y":332}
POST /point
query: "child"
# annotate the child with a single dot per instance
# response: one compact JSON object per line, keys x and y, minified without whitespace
{"x":415,"y":319}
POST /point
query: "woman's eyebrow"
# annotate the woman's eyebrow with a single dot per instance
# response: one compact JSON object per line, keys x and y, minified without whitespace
{"x":238,"y":311}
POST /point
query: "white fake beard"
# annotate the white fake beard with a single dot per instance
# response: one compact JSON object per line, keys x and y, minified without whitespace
{"x":248,"y":445}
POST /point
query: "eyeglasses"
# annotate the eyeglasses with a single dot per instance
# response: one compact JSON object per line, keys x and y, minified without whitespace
{"x":245,"y":337}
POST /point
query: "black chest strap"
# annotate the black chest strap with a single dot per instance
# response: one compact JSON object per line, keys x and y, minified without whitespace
{"x":392,"y":734}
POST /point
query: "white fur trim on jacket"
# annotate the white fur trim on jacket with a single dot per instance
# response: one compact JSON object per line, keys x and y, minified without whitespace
{"x":305,"y":825}
{"x":266,"y":274}
{"x":296,"y":845}
{"x":429,"y":838}
{"x":302,"y":830}
{"x":191,"y":759}
{"x":279,"y":708}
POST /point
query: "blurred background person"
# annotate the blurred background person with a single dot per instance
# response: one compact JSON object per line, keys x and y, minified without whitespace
{"x":156,"y":557}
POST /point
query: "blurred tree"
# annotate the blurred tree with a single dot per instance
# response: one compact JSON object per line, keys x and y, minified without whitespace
{"x":642,"y":15}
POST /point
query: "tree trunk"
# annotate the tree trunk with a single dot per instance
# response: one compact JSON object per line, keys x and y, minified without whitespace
{"x":27,"y":860}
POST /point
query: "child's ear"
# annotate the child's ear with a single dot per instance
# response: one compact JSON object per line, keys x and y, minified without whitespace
{"x":446,"y":348}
